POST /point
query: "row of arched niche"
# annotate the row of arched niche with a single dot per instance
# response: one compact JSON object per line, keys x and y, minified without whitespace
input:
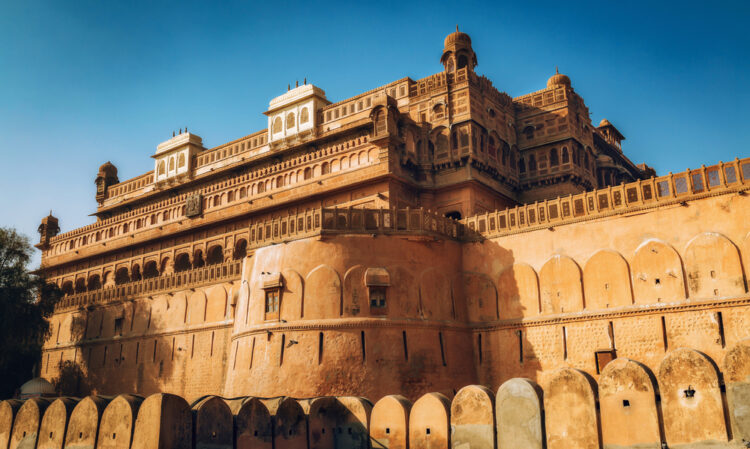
{"x":630,"y":406}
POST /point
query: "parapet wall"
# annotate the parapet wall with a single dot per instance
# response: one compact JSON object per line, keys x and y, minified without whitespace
{"x":687,"y":401}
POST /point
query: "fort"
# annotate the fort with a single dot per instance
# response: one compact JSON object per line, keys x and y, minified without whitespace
{"x":492,"y":272}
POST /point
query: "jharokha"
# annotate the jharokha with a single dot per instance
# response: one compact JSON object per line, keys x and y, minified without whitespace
{"x":418,"y":237}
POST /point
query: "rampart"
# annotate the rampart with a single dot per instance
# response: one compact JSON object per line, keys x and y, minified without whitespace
{"x":690,"y":401}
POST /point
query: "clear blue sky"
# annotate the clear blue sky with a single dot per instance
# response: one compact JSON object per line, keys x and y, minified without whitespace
{"x":83,"y":82}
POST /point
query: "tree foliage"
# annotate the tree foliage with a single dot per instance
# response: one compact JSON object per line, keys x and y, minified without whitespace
{"x":26,"y":301}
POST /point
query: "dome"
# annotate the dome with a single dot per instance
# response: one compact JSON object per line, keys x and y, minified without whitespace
{"x":558,"y":79}
{"x":604,"y":122}
{"x":108,"y":170}
{"x":456,"y":37}
{"x":37,"y":387}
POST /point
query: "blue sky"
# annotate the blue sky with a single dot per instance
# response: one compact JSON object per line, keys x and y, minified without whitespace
{"x":83,"y":82}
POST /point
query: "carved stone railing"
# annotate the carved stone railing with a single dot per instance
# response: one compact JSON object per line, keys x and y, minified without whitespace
{"x":226,"y":271}
{"x":663,"y":190}
{"x":331,"y":221}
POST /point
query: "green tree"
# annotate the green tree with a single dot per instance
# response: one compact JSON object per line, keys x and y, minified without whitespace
{"x":26,"y":301}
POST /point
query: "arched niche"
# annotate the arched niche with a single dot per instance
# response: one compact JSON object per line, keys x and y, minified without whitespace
{"x":118,"y":420}
{"x":657,"y":273}
{"x":177,"y":311}
{"x":323,"y":298}
{"x":217,"y":304}
{"x":606,"y":281}
{"x":389,"y":423}
{"x":54,"y":423}
{"x":197,"y":303}
{"x":253,"y":426}
{"x":627,"y":400}
{"x":481,"y":298}
{"x":570,"y":411}
{"x":293,"y":295}
{"x":691,"y":401}
{"x":473,"y":418}
{"x":560,"y":286}
{"x":429,"y":422}
{"x":355,"y":292}
{"x":213,"y":424}
{"x":713,"y":267}
{"x":164,"y":422}
{"x":518,"y":414}
{"x":519,"y":292}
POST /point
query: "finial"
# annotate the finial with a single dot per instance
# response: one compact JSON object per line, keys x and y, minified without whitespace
{"x":556,"y":72}
{"x":172,"y":133}
{"x":186,"y":129}
{"x":288,"y":87}
{"x":296,"y":83}
{"x":456,"y":28}
{"x":180,"y":130}
{"x":305,"y":80}
{"x":50,"y":212}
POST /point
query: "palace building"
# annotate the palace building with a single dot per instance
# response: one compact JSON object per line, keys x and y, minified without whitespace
{"x":418,"y":237}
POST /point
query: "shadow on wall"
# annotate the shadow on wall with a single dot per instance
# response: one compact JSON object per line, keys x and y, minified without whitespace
{"x":138,"y":365}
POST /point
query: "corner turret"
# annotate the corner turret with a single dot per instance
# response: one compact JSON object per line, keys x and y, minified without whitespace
{"x":106,"y":177}
{"x":48,"y":229}
{"x":457,"y":52}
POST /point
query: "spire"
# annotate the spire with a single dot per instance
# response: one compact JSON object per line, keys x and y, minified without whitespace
{"x":556,"y":71}
{"x":456,"y":28}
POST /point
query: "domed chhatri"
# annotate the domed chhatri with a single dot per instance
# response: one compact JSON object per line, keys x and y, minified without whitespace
{"x":108,"y":169}
{"x":457,"y":52}
{"x":37,"y":387}
{"x":455,"y":37}
{"x":604,"y":122}
{"x":558,"y":79}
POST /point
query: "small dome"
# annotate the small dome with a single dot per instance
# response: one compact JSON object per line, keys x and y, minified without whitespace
{"x":558,"y":79}
{"x":108,"y":169}
{"x":37,"y":387}
{"x":455,"y":37}
{"x":604,"y":122}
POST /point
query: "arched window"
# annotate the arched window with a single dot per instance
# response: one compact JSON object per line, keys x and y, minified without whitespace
{"x":565,"y":155}
{"x":532,"y":162}
{"x":456,"y":215}
{"x":529,"y":132}
{"x":243,"y":192}
{"x":277,"y":125}
{"x":164,"y":265}
{"x":308,"y":173}
{"x":80,"y":285}
{"x":491,"y":147}
{"x":463,"y":61}
{"x":325,"y":168}
{"x":553,"y":160}
{"x":67,"y":288}
{"x":122,"y":276}
{"x":230,"y":196}
{"x":449,"y":65}
{"x":279,"y":182}
{"x":522,"y":165}
{"x":135,"y":273}
{"x":240,"y":249}
{"x":304,"y":116}
{"x":181,"y":160}
{"x":165,"y":215}
{"x":198,"y":259}
{"x":94,"y":283}
{"x":182,"y":262}
{"x":162,"y":168}
{"x":150,"y":270}
{"x":506,"y":150}
{"x":261,"y":187}
{"x":215,"y":255}
{"x":454,"y":139}
{"x":171,"y":164}
{"x":290,"y":120}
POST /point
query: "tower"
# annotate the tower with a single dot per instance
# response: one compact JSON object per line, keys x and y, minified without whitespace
{"x":457,"y":52}
{"x":48,"y":229}
{"x":106,"y":177}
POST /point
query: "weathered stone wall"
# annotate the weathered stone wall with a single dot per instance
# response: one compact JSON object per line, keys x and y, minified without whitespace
{"x":682,"y":404}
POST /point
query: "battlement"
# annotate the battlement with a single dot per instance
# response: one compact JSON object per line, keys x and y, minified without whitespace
{"x":618,"y":200}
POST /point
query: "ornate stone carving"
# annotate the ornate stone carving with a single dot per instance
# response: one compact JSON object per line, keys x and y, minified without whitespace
{"x":194,"y":205}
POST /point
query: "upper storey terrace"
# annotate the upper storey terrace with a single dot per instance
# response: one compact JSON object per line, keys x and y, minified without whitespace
{"x":450,"y":142}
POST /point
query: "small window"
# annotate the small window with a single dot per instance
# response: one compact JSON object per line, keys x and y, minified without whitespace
{"x":303,"y":116}
{"x":272,"y":303}
{"x":378,"y":300}
{"x":118,"y":326}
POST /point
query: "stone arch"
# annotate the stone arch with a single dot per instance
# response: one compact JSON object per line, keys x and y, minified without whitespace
{"x":323,"y":299}
{"x":177,"y":310}
{"x":54,"y":423}
{"x":737,"y":379}
{"x":429,"y":422}
{"x":290,"y":426}
{"x":570,"y":411}
{"x":353,"y":420}
{"x":435,"y":299}
{"x":83,"y":425}
{"x":253,"y":426}
{"x":182,"y":262}
{"x":389,"y":423}
{"x":627,"y":399}
{"x":197,"y":306}
{"x":691,"y":401}
{"x":657,"y":273}
{"x":292,"y":296}
{"x":560,"y":285}
{"x":8,"y":410}
{"x":27,"y":422}
{"x":212,"y":424}
{"x":713,"y":267}
{"x":215,"y":255}
{"x":518,"y":414}
{"x":481,"y":298}
{"x":519,"y":292}
{"x":216,"y":308}
{"x":355,"y":292}
{"x":473,"y":418}
{"x":118,"y":420}
{"x":606,"y":281}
